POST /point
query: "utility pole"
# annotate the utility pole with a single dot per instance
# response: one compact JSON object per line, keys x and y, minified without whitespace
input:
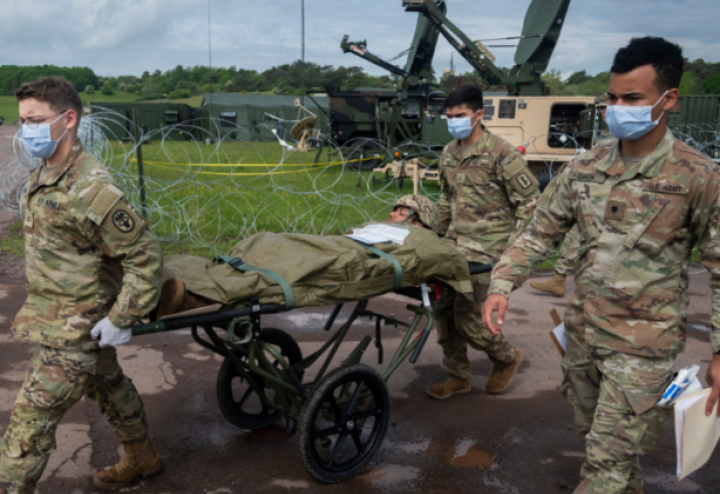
{"x":302,"y":10}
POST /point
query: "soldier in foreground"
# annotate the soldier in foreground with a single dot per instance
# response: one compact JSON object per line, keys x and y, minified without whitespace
{"x":568,"y":255}
{"x":640,"y":204}
{"x":488,"y":196}
{"x":93,"y":270}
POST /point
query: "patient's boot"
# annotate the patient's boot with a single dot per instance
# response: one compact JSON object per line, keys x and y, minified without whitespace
{"x":451,"y":386}
{"x":556,"y":285}
{"x":192,"y":301}
{"x":140,"y":460}
{"x":171,"y":297}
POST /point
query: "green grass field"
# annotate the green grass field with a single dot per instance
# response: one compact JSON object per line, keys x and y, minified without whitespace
{"x":241,"y":190}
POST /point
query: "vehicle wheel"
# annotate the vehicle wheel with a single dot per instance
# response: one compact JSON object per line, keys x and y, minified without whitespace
{"x":238,"y":402}
{"x":343,"y":423}
{"x":371,"y":146}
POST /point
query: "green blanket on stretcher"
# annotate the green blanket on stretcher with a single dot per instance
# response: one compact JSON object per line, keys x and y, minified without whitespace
{"x":321,"y":270}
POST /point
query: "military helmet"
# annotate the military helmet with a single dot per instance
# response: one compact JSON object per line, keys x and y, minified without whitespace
{"x":602,"y":100}
{"x":423,"y":207}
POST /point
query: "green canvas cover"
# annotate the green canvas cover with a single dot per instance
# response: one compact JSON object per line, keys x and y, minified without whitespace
{"x":322,"y":270}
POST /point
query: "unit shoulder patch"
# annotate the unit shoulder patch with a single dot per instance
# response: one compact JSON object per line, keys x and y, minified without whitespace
{"x":525,"y":182}
{"x":123,"y":222}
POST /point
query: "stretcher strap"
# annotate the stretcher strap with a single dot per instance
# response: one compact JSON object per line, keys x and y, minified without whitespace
{"x":397,"y":283}
{"x":241,"y":266}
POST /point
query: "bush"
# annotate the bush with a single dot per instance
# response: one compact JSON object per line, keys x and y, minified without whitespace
{"x":712,"y":84}
{"x":89,"y":89}
{"x":107,"y":90}
{"x":179,"y":94}
{"x":209,"y":88}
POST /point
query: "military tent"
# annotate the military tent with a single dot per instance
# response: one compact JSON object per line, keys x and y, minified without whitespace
{"x":117,"y":124}
{"x":244,"y":117}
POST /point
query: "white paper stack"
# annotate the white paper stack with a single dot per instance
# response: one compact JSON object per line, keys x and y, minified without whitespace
{"x":378,"y":233}
{"x":696,"y":434}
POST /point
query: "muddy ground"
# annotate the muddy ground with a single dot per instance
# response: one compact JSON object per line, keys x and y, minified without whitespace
{"x":520,"y":442}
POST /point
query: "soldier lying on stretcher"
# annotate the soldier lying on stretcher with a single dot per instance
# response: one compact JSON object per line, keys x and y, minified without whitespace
{"x":322,"y":270}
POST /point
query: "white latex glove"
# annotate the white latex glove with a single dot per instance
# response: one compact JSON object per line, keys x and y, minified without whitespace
{"x":109,"y":334}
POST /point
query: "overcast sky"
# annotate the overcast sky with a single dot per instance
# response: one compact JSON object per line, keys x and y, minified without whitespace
{"x":116,"y":37}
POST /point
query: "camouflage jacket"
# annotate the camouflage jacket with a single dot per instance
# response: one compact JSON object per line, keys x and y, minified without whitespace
{"x":88,"y":255}
{"x":637,"y":232}
{"x":486,"y":198}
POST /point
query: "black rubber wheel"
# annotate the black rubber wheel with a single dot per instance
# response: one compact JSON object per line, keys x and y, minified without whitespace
{"x":237,"y":400}
{"x":343,"y":423}
{"x":370,"y":147}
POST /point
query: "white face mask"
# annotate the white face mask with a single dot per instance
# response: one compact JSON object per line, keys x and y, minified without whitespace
{"x":630,"y":123}
{"x":37,"y":139}
{"x":461,"y":127}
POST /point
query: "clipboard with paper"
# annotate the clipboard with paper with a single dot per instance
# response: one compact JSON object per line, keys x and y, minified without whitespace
{"x":696,"y":435}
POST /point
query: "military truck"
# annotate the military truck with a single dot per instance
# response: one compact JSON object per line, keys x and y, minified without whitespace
{"x":546,"y":128}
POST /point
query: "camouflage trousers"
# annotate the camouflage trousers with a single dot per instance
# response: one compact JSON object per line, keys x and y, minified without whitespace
{"x":613,"y":397}
{"x":55,"y":381}
{"x":568,"y":255}
{"x":459,"y":324}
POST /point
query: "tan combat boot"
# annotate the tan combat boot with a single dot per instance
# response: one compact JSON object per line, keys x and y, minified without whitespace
{"x":556,"y":285}
{"x":175,"y":299}
{"x":503,"y":373}
{"x":140,"y":460}
{"x":451,"y":386}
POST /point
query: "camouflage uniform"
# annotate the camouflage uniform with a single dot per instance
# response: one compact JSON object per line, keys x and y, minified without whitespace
{"x":627,"y":320}
{"x":486,"y":199}
{"x":88,"y":255}
{"x":567,"y":257}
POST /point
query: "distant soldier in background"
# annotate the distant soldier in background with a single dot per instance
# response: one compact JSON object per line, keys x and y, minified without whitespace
{"x":568,"y":255}
{"x":488,"y":195}
{"x":93,"y":270}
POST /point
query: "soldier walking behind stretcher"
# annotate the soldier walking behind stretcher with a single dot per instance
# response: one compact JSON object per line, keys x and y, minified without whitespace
{"x":488,"y":195}
{"x":640,"y":204}
{"x":93,"y":268}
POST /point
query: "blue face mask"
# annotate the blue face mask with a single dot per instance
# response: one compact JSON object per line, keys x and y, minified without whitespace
{"x":37,"y":139}
{"x":460,"y":128}
{"x":631,"y":122}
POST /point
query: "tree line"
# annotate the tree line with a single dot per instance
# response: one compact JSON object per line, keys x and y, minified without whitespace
{"x":299,"y":77}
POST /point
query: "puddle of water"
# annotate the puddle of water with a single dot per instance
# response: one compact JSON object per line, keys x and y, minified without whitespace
{"x":390,"y":475}
{"x":464,"y":454}
{"x":474,"y":457}
{"x":273,"y":434}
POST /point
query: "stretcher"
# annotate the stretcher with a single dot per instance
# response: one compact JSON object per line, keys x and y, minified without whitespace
{"x":341,"y":416}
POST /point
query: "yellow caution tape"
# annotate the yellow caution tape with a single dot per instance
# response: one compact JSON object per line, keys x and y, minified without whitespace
{"x":231,"y":173}
{"x":253,"y":165}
